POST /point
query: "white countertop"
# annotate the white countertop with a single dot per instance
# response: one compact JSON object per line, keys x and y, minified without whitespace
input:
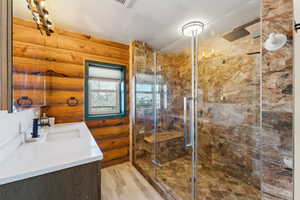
{"x":63,"y":146}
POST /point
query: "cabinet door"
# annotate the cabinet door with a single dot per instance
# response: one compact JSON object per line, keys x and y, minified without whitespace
{"x":77,"y":183}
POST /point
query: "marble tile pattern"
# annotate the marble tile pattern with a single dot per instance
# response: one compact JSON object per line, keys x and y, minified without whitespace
{"x":277,"y":102}
{"x":175,"y":179}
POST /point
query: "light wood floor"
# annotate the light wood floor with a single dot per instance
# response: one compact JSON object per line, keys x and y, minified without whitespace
{"x":124,"y":182}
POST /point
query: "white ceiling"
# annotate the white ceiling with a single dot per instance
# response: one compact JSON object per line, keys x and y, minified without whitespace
{"x":156,"y":22}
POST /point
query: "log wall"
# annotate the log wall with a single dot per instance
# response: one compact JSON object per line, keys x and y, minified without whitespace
{"x":50,"y":70}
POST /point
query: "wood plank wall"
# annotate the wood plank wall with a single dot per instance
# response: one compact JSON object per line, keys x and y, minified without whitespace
{"x":51,"y":69}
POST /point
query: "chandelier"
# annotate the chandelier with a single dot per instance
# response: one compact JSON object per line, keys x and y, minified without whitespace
{"x":40,"y":15}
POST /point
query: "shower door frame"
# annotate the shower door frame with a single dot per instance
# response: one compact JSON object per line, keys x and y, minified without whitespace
{"x":194,"y":119}
{"x":193,"y":124}
{"x":132,"y":74}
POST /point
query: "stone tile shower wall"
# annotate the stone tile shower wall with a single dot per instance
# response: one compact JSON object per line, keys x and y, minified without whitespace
{"x":277,"y":103}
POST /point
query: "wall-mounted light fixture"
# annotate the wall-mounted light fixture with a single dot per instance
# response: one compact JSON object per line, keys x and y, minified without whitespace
{"x":40,"y":15}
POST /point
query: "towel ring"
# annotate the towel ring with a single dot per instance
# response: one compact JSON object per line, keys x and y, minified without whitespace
{"x":24,"y":101}
{"x":72,"y":101}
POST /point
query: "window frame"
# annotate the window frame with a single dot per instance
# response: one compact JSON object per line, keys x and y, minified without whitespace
{"x":121,"y":94}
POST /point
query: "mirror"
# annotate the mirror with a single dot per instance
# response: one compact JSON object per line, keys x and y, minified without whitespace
{"x":5,"y":55}
{"x":30,"y":64}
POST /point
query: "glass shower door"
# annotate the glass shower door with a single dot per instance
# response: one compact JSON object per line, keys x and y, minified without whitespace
{"x":144,"y":118}
{"x":175,"y":132}
{"x":198,"y":113}
{"x":208,"y":132}
{"x":173,"y":120}
{"x":229,"y":134}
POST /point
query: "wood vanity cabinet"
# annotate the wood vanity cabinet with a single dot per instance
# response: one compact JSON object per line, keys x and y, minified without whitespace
{"x":78,"y":183}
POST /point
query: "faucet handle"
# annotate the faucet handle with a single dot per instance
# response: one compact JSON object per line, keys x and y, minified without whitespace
{"x":35,"y":127}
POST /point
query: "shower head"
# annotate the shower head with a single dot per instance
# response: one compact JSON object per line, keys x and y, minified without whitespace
{"x":240,"y":31}
{"x":236,"y":34}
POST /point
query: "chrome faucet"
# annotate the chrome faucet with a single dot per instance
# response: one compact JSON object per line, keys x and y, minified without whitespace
{"x":35,"y":128}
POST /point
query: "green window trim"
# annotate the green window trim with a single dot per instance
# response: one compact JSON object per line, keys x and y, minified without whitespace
{"x":122,"y":92}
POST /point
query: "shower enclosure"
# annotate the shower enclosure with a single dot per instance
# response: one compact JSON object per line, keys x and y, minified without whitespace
{"x":197,"y":125}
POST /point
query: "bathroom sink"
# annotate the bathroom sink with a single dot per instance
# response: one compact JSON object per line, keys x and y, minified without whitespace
{"x":59,"y":147}
{"x":62,"y":135}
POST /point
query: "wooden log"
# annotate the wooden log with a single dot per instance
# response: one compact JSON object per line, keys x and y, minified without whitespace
{"x":65,"y":83}
{"x":28,"y":81}
{"x":60,"y":120}
{"x":113,"y":131}
{"x":31,"y":65}
{"x":107,"y":122}
{"x":114,"y":162}
{"x":115,"y":154}
{"x":29,"y":50}
{"x":54,"y":97}
{"x":38,"y":97}
{"x":113,"y":143}
{"x":33,"y":36}
{"x":81,"y":36}
{"x":49,"y":97}
{"x":64,"y":111}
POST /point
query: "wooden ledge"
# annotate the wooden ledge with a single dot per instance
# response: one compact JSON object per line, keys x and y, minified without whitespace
{"x":164,"y":136}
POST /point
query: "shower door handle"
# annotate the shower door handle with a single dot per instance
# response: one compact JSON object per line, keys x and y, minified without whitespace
{"x":187,"y":131}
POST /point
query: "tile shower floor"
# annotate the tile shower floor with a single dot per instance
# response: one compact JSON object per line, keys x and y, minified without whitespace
{"x":175,"y":178}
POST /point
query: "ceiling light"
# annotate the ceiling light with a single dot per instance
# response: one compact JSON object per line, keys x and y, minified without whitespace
{"x":193,"y":28}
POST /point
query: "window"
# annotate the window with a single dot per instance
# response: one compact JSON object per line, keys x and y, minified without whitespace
{"x":145,"y":92}
{"x":104,"y":90}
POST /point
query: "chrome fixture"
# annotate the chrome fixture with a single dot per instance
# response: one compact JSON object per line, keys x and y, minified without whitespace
{"x":155,"y":159}
{"x":297,"y":27}
{"x":240,"y":32}
{"x":187,"y":129}
{"x":40,"y":15}
{"x":126,"y":3}
{"x":194,"y":102}
{"x":192,"y":28}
